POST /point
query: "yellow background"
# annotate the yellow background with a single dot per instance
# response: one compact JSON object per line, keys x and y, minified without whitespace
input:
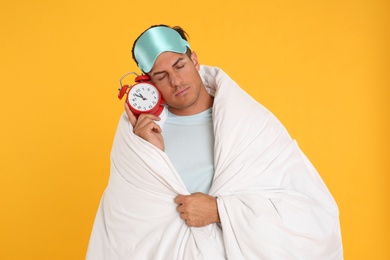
{"x":322,"y":67}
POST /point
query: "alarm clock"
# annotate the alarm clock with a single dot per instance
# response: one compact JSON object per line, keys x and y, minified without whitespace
{"x":143,"y":96}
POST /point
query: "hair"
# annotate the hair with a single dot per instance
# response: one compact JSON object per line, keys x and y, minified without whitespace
{"x":178,"y":29}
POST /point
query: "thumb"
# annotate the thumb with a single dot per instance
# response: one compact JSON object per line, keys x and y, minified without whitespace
{"x":130,"y":115}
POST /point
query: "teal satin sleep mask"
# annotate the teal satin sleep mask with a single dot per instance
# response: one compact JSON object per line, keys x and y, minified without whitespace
{"x":155,"y":41}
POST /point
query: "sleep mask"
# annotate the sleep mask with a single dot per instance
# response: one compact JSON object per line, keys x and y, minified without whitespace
{"x":155,"y":41}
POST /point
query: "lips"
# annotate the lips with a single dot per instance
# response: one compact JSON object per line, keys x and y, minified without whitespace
{"x":182,"y":92}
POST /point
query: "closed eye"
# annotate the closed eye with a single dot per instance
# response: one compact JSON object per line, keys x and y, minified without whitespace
{"x":179,"y":64}
{"x":161,"y":77}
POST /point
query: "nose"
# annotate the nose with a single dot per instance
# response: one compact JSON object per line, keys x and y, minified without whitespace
{"x":175,"y":80}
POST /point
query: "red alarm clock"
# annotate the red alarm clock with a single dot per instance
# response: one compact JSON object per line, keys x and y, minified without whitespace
{"x":143,"y":96}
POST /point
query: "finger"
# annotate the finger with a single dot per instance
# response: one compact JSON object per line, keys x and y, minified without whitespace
{"x":183,"y":216}
{"x":130,"y":115}
{"x":148,"y":117}
{"x":179,"y":199}
{"x":148,"y":125}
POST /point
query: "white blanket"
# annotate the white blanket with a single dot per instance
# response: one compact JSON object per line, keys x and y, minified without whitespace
{"x":271,"y":201}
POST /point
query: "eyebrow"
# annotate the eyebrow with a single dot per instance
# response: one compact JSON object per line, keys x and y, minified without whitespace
{"x":174,"y":64}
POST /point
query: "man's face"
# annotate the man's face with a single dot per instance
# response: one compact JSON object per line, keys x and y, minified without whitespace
{"x":177,"y":77}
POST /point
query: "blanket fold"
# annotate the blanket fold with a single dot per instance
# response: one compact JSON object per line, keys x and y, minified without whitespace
{"x":272,"y":202}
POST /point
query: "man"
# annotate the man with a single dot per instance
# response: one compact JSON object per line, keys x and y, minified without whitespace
{"x":220,"y":179}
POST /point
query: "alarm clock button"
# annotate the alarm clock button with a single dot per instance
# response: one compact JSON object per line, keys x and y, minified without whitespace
{"x":142,"y":78}
{"x":122,"y":91}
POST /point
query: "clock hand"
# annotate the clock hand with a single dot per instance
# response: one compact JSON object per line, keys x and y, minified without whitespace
{"x":140,"y":96}
{"x":143,"y":98}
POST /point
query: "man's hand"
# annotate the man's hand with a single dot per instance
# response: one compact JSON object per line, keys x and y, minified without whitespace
{"x":198,"y":209}
{"x":146,"y":128}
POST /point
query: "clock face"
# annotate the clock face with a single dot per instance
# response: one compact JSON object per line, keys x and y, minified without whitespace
{"x":143,"y":96}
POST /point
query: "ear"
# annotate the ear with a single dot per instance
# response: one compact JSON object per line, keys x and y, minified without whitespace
{"x":195,"y":60}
